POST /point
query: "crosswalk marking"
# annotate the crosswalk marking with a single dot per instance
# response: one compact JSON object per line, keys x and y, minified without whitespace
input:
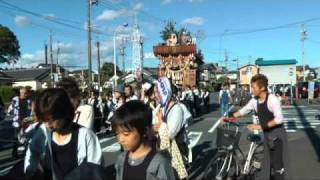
{"x":106,"y":139}
{"x":112,"y":148}
{"x":293,"y":122}
{"x":194,"y":137}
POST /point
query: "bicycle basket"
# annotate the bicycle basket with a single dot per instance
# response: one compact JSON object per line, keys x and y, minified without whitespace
{"x":227,"y":137}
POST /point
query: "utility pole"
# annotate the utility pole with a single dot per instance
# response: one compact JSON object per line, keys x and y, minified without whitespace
{"x":57,"y":65}
{"x":303,"y":38}
{"x":46,"y":53}
{"x":90,"y":3}
{"x":122,"y":53}
{"x":98,"y":60}
{"x":51,"y":59}
{"x":238,"y":74}
{"x":226,"y":61}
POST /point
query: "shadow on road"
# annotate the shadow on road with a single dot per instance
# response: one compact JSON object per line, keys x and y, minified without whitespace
{"x":310,"y":132}
{"x":202,"y":155}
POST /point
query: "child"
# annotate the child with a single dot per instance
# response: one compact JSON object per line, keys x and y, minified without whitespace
{"x":133,"y":124}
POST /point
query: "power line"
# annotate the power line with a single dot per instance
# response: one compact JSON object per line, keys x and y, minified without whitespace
{"x":48,"y":19}
{"x":239,"y":32}
{"x":122,"y":5}
{"x":42,"y":26}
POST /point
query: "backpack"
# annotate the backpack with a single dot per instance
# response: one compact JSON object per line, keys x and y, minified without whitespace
{"x":225,"y":97}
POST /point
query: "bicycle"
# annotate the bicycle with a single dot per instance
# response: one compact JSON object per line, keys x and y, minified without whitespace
{"x":230,"y":162}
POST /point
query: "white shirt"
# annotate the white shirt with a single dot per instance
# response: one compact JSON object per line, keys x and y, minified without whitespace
{"x":84,"y":116}
{"x":133,"y":97}
{"x":273,"y":104}
{"x":206,"y":94}
{"x":196,"y":92}
{"x":183,"y":95}
{"x":221,"y":92}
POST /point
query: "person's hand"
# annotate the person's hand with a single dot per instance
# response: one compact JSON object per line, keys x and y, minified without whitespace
{"x":253,"y":127}
{"x":222,"y":120}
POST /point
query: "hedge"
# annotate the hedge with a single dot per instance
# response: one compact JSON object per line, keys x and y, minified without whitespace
{"x":6,"y":93}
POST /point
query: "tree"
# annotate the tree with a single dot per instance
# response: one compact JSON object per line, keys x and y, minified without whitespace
{"x":199,"y":58}
{"x":107,"y":71}
{"x":168,"y":30}
{"x":9,"y":46}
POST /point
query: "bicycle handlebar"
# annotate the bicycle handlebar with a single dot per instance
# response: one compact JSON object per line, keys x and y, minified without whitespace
{"x":231,"y":120}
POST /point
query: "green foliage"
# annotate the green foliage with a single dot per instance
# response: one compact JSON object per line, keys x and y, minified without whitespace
{"x":6,"y":93}
{"x":199,"y":58}
{"x":169,"y":28}
{"x":9,"y":46}
{"x":107,"y":71}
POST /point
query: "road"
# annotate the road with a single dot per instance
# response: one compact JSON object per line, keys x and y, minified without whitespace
{"x":301,"y":125}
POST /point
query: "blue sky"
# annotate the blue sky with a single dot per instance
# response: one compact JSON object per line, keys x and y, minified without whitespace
{"x":226,"y":24}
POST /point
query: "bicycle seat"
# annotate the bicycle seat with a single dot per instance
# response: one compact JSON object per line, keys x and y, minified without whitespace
{"x":254,"y":138}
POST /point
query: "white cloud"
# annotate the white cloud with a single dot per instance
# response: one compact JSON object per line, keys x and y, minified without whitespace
{"x":166,"y":1}
{"x":149,"y":55}
{"x":194,"y":1}
{"x":70,"y":56}
{"x":49,"y":16}
{"x":109,"y":14}
{"x":196,"y":21}
{"x":21,"y":21}
{"x":138,"y":6}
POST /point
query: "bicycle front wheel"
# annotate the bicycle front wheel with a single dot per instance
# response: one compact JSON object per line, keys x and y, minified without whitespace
{"x":216,"y":168}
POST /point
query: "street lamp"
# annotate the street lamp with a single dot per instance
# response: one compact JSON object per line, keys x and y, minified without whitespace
{"x":114,"y":53}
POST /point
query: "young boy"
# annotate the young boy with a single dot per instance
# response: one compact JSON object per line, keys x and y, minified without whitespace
{"x":133,"y":124}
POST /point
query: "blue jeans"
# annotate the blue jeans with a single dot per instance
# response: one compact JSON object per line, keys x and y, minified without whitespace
{"x":224,"y":108}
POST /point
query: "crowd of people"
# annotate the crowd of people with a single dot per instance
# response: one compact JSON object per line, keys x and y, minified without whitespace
{"x":58,"y":129}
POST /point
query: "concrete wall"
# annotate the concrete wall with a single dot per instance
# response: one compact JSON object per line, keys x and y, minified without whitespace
{"x":35,"y":85}
{"x":279,"y":74}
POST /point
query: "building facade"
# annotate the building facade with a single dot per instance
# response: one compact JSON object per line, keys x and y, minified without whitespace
{"x":278,"y":71}
{"x":246,"y":73}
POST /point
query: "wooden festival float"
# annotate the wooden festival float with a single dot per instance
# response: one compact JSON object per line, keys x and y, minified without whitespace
{"x":177,"y":61}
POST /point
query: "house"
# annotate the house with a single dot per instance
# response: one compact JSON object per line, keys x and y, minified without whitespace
{"x":309,"y":72}
{"x":36,"y":78}
{"x":5,"y":79}
{"x":81,"y":76}
{"x":232,"y":77}
{"x":278,"y":71}
{"x":317,"y":71}
{"x":245,"y":74}
{"x":208,"y":73}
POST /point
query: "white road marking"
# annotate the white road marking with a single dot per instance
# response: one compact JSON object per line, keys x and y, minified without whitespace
{"x":299,"y":127}
{"x":214,"y":126}
{"x":194,"y":138}
{"x":6,"y":170}
{"x":106,"y":139}
{"x":291,"y":130}
{"x":112,"y":148}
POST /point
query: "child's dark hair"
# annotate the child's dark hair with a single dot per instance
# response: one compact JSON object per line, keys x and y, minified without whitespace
{"x":133,"y":114}
{"x":54,"y":104}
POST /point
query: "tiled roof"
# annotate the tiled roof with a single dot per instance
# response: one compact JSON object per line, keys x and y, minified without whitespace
{"x":29,"y":74}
